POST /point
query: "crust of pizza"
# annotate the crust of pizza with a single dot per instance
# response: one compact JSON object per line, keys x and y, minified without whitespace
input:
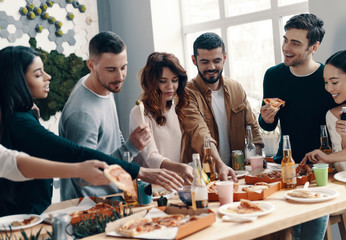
{"x":256,"y":188}
{"x":120,"y":178}
{"x":262,"y":184}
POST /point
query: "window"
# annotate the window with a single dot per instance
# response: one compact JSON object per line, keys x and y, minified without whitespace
{"x":252,"y":31}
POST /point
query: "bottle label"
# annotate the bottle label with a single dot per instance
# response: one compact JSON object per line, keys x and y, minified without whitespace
{"x":202,"y":204}
{"x":206,"y":167}
{"x":289,"y":174}
{"x":200,"y":197}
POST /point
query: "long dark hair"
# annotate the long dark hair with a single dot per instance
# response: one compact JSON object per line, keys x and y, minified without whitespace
{"x":15,"y":94}
{"x":150,"y":77}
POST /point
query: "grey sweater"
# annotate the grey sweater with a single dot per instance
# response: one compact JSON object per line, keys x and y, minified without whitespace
{"x":91,"y":120}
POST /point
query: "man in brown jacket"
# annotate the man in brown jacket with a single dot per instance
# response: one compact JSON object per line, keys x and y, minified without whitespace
{"x":218,"y":108}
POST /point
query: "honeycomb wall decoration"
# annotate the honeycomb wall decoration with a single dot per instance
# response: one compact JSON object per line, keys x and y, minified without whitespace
{"x":62,"y":25}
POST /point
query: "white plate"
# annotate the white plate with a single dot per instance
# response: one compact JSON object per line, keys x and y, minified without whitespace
{"x":168,"y":195}
{"x":327,"y":195}
{"x":6,"y":221}
{"x":267,"y":208}
{"x":340,"y":176}
{"x":240,"y":173}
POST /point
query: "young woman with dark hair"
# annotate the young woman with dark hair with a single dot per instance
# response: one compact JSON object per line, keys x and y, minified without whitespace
{"x":334,"y":74}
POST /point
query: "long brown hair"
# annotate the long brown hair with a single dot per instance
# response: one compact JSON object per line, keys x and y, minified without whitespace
{"x":150,"y":76}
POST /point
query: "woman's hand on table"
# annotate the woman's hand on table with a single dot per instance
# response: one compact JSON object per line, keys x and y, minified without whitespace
{"x":317,"y":156}
{"x":91,"y":172}
{"x":224,"y":172}
{"x":184,"y":170}
{"x":162,"y":177}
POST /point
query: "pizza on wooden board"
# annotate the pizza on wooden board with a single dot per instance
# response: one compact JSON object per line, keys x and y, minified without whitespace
{"x":137,"y":226}
{"x":120,"y":178}
{"x":274,"y":102}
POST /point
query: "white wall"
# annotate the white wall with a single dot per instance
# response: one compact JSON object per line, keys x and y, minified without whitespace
{"x":333,"y":14}
{"x":131,"y":20}
{"x":167,"y":31}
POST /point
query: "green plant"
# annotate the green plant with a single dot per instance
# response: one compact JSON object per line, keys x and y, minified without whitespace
{"x":65,"y":72}
{"x":97,"y":223}
{"x":9,"y":236}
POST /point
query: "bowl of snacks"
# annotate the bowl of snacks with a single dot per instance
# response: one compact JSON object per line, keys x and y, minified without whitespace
{"x":185,"y":195}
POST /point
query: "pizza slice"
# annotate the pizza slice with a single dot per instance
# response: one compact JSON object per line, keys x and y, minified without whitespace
{"x":247,"y":206}
{"x":274,"y":102}
{"x":137,"y":226}
{"x":169,"y":220}
{"x":25,"y":221}
{"x":120,"y":178}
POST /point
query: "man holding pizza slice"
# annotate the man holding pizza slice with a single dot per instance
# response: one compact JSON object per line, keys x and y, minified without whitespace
{"x":298,"y":81}
{"x":298,"y":84}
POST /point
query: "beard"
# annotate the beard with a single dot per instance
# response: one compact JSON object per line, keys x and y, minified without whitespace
{"x":110,"y":89}
{"x":295,"y":63}
{"x":211,"y":80}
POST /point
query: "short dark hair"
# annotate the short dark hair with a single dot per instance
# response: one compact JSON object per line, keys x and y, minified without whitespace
{"x":105,"y":42}
{"x":208,"y":41}
{"x":338,"y":60}
{"x":309,"y":22}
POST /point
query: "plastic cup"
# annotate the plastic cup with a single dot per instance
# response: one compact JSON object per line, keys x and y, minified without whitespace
{"x":225,"y":191}
{"x":321,"y":173}
{"x":256,"y":162}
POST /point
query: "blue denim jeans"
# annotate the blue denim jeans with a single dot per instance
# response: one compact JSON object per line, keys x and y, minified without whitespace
{"x":312,"y":230}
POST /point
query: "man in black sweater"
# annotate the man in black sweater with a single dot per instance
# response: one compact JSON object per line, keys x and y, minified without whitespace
{"x":299,"y":82}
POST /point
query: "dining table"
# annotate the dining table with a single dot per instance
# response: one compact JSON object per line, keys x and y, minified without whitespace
{"x":287,"y":213}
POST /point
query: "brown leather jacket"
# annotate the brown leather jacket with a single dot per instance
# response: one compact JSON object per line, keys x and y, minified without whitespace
{"x":199,"y":117}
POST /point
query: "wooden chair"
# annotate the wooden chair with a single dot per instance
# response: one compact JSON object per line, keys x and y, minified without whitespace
{"x":340,"y":219}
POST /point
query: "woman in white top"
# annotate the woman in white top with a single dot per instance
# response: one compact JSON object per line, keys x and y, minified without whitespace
{"x":163,"y":80}
{"x":335,"y":83}
{"x":18,"y":166}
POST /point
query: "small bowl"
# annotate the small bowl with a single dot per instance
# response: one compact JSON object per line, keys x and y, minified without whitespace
{"x":185,"y":195}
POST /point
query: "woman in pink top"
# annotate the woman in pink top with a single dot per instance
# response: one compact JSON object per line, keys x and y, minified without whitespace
{"x":163,"y":80}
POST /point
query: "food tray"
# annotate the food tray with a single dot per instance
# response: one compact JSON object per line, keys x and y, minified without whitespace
{"x":183,"y":231}
{"x":258,"y":195}
{"x":252,"y":178}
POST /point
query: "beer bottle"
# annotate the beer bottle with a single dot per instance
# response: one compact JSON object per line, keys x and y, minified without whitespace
{"x":208,"y":162}
{"x":250,"y":149}
{"x":325,"y":147}
{"x":199,"y":192}
{"x":288,"y":169}
{"x":131,"y":200}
